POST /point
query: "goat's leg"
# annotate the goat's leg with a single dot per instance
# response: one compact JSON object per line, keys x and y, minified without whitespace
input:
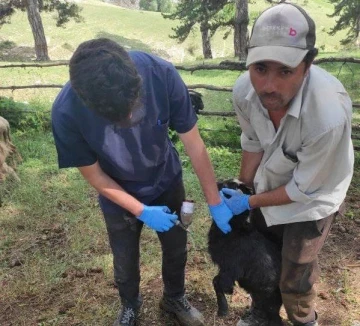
{"x":268,"y":304}
{"x":223,"y":307}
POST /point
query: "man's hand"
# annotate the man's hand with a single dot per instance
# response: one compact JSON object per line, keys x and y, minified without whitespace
{"x":238,"y":202}
{"x":221,"y":215}
{"x":158,"y":218}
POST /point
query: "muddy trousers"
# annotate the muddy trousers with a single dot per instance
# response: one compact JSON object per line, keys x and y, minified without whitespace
{"x":301,"y":243}
{"x":124,"y":233}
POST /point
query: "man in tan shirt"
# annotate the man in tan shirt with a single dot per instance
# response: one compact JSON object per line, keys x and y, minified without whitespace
{"x":297,"y":154}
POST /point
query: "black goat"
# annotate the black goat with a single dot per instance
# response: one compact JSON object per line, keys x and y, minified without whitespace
{"x":245,"y":256}
{"x":196,"y":101}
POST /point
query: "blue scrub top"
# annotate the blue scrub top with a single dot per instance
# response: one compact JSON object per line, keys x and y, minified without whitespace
{"x":142,"y":158}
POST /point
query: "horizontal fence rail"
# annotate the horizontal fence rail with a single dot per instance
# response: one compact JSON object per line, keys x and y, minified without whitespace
{"x":224,"y":65}
{"x":195,"y":86}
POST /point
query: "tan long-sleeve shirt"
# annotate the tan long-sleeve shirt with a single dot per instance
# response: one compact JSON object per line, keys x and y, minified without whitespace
{"x":311,"y":152}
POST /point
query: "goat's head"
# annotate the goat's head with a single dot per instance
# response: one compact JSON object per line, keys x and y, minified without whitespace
{"x":234,"y":184}
{"x":238,"y":222}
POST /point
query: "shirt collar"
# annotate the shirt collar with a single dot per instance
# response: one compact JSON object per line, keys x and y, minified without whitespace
{"x":296,"y":104}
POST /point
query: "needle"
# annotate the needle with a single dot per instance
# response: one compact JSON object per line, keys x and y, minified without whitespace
{"x":178,"y":223}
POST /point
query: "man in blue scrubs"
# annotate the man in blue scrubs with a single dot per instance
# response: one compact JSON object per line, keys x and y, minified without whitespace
{"x":111,"y":122}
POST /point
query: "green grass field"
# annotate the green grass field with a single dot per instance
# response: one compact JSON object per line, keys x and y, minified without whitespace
{"x":146,"y":31}
{"x":55,"y":262}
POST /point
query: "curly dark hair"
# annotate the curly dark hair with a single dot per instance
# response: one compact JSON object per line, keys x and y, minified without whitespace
{"x":104,"y":77}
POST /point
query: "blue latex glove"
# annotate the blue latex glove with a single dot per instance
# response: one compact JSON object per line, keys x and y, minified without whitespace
{"x":238,"y":202}
{"x":221,"y":215}
{"x":158,"y":218}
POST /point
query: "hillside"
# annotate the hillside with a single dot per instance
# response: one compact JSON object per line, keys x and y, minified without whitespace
{"x":135,"y":29}
{"x":131,"y":4}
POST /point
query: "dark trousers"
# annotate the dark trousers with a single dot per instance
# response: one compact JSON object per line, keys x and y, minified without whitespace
{"x":301,"y":243}
{"x":124,"y":235}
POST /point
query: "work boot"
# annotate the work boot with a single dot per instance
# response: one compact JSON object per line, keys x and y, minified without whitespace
{"x":309,"y":323}
{"x":186,"y":314}
{"x":127,"y":317}
{"x":257,"y":318}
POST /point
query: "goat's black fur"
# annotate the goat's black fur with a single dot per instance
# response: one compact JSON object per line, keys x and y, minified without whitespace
{"x":245,"y":256}
{"x":196,"y":100}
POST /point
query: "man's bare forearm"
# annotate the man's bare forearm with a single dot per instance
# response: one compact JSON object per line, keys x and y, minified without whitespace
{"x":274,"y":197}
{"x":110,"y":189}
{"x":249,"y":165}
{"x":201,"y":163}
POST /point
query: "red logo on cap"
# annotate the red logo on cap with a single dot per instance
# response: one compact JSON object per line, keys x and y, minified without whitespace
{"x":292,"y":32}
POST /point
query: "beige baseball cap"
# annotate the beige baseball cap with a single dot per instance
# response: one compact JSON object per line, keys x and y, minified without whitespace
{"x":283,"y":33}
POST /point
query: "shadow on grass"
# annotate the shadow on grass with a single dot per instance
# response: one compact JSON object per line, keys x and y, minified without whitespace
{"x":11,"y":52}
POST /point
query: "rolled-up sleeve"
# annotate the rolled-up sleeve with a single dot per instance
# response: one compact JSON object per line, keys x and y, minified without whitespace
{"x":250,"y":145}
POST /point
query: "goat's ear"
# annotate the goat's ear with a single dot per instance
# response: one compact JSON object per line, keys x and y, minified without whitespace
{"x":228,"y":183}
{"x":245,"y":189}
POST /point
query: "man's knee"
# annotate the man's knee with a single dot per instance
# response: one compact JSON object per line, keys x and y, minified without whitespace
{"x":298,"y":278}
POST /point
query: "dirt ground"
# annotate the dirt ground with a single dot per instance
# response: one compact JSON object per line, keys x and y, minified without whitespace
{"x":338,"y":301}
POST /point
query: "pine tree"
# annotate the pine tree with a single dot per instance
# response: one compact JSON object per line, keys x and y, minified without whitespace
{"x":211,"y":15}
{"x":348,"y":12}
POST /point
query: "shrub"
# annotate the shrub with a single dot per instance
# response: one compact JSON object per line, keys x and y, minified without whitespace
{"x":22,"y":116}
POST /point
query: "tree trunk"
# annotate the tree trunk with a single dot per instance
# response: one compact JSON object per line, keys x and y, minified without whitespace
{"x":37,"y":28}
{"x":357,"y":41}
{"x":206,"y":41}
{"x":241,"y":22}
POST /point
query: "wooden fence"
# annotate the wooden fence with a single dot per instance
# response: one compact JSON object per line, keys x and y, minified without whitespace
{"x":224,"y":65}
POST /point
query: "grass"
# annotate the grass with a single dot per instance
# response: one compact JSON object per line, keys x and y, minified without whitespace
{"x":54,"y":231}
{"x":55,"y":262}
{"x":147,"y":31}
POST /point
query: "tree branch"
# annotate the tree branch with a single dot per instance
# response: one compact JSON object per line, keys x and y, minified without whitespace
{"x":194,"y":86}
{"x":217,"y":113}
{"x":210,"y":87}
{"x":331,"y":59}
{"x":223,"y":65}
{"x":37,"y":65}
{"x":32,"y":86}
